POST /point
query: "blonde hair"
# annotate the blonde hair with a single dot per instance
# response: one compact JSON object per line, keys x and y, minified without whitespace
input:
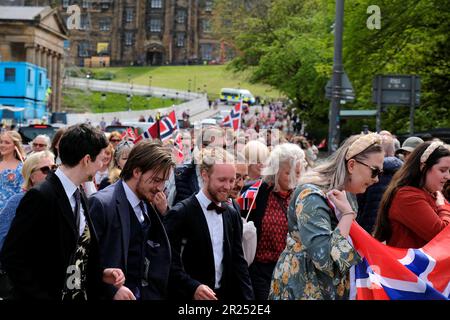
{"x":210,"y":156}
{"x":333,"y":173}
{"x":255,"y":152}
{"x":19,"y":153}
{"x":30,"y":165}
{"x":282,"y":154}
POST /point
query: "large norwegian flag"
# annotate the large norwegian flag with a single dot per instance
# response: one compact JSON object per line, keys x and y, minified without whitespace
{"x":388,"y":273}
{"x":168,"y":125}
{"x":128,"y":134}
{"x":247,"y":200}
{"x":234,"y":118}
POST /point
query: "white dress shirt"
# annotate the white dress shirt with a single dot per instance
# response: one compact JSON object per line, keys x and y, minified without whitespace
{"x":134,"y":202}
{"x":70,"y":188}
{"x":215,"y":227}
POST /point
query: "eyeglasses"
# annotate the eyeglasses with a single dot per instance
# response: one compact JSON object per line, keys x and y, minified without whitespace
{"x":40,"y":145}
{"x":115,"y":140}
{"x":375,"y":171}
{"x":241,"y":177}
{"x":46,"y":169}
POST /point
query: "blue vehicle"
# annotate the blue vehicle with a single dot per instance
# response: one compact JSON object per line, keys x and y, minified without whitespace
{"x":23,"y":86}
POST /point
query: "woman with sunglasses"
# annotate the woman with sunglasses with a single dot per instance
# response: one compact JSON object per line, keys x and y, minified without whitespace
{"x":34,"y":170}
{"x":413,"y":210}
{"x":317,"y":258}
{"x":11,"y":159}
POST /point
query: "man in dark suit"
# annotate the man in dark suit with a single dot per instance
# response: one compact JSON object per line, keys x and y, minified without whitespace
{"x":51,"y":250}
{"x":206,"y":238}
{"x":131,"y":235}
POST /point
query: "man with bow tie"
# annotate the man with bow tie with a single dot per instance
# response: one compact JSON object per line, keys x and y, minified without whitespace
{"x":206,"y":238}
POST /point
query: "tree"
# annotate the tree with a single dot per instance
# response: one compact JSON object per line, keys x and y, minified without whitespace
{"x":288,"y":44}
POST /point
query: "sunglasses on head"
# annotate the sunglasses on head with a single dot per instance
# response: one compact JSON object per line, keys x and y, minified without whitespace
{"x":375,"y":171}
{"x":47,"y":169}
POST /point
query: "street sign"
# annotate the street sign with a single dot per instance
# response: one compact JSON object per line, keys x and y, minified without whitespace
{"x":346,"y":94}
{"x":396,"y":90}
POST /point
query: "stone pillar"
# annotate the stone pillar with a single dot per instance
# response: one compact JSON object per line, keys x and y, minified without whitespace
{"x":55,"y":81}
{"x":38,"y":56}
{"x":49,"y":76}
{"x":31,"y":53}
{"x":44,"y":58}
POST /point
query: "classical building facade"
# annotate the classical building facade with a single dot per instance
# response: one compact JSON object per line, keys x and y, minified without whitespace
{"x":35,"y":35}
{"x":141,"y":32}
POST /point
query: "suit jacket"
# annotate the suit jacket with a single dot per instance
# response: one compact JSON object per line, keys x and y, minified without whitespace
{"x":41,"y":241}
{"x":110,"y":211}
{"x":192,"y":253}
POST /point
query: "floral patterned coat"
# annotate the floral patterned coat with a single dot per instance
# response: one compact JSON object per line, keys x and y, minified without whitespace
{"x":316,"y":261}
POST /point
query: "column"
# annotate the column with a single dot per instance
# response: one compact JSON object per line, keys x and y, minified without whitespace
{"x":55,"y":81}
{"x":31,"y":53}
{"x":38,"y":56}
{"x":43,"y":57}
{"x":49,"y":77}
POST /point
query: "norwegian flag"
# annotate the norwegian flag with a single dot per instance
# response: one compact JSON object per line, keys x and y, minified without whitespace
{"x":178,"y":149}
{"x":247,"y":200}
{"x":234,"y":118}
{"x":389,"y":273}
{"x":128,"y":134}
{"x":168,"y":125}
{"x":151,"y":133}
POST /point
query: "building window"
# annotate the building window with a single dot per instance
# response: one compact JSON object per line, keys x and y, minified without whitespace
{"x":29,"y":75}
{"x":105,"y":25}
{"x":129,"y":13}
{"x":65,"y":3}
{"x":128,"y":38}
{"x":10,"y":74}
{"x":208,"y":5}
{"x":180,"y":39}
{"x":85,"y":4}
{"x":83,"y":49}
{"x":156,"y":4}
{"x":84,"y":22}
{"x":40,"y":79}
{"x":181,"y":16}
{"x":105,"y":4}
{"x":155,"y":25}
{"x":206,"y":26}
{"x":206,"y":51}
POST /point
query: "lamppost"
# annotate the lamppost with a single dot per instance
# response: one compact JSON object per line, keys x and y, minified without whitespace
{"x":176,"y":94}
{"x":88,"y":76}
{"x":338,"y":69}
{"x":163,"y":98}
{"x":129,"y":102}
{"x":103,"y":98}
{"x":204,"y":89}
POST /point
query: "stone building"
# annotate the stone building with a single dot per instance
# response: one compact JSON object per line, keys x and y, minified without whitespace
{"x":35,"y":35}
{"x":142,"y":32}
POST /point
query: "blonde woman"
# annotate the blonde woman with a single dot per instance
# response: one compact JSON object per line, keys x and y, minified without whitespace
{"x":34,"y":170}
{"x":11,"y":159}
{"x":317,"y":258}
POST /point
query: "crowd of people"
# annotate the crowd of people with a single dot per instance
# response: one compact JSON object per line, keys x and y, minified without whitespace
{"x":86,"y":216}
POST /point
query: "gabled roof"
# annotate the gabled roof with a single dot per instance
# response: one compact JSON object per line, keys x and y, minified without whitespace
{"x":23,"y":13}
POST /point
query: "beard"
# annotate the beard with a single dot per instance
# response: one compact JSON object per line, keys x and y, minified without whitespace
{"x":215,"y":195}
{"x":145,"y":194}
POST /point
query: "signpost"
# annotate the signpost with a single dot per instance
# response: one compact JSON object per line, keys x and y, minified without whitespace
{"x":400,"y":90}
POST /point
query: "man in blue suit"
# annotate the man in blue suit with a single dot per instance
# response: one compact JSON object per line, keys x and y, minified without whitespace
{"x":131,"y":235}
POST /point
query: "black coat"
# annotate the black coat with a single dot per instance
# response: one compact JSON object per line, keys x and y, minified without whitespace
{"x":110,"y":211}
{"x":192,"y":253}
{"x":369,"y":201}
{"x":186,"y":182}
{"x":42,"y":238}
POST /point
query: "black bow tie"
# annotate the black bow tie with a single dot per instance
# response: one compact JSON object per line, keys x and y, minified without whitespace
{"x":213,"y":206}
